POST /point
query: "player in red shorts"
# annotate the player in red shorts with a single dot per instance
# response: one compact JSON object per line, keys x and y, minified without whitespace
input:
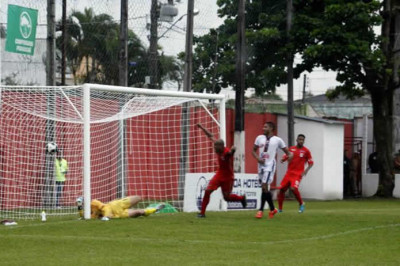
{"x":295,"y":172}
{"x":224,"y":176}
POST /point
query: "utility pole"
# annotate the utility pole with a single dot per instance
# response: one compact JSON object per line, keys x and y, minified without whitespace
{"x":396,"y":78}
{"x":239,"y":138}
{"x":289,"y":16}
{"x":304,"y":88}
{"x":187,"y":86}
{"x":64,"y":43}
{"x":187,"y":83}
{"x":48,"y":189}
{"x":123,"y":48}
{"x":153,"y":45}
{"x":51,"y":43}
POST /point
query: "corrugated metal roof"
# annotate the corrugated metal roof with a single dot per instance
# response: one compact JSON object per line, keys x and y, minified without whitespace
{"x":340,"y":107}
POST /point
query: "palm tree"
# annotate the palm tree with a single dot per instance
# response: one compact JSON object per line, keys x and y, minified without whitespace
{"x":74,"y":36}
{"x":95,"y":30}
{"x":93,"y":51}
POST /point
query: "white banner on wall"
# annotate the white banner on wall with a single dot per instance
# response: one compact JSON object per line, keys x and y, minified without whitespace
{"x":196,"y":184}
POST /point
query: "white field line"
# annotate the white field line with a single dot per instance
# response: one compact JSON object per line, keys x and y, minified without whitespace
{"x":14,"y":227}
{"x":193,"y":241}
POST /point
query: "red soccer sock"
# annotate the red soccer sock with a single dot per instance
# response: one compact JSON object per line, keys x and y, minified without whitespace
{"x":233,"y":197}
{"x":281,"y":198}
{"x":296,"y":193}
{"x":206,"y":200}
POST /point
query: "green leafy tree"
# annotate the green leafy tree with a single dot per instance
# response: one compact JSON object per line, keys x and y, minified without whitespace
{"x":171,"y":69}
{"x":94,"y":31}
{"x":337,"y":35}
{"x":74,"y":35}
{"x":92,"y":47}
{"x":215,"y":53}
{"x":89,"y":41}
{"x":342,"y":38}
{"x":138,"y":58}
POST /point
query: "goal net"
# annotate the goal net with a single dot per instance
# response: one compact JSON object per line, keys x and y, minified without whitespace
{"x":117,"y":142}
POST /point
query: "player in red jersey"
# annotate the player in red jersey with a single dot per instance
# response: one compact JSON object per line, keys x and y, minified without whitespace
{"x":295,"y":171}
{"x":224,"y":176}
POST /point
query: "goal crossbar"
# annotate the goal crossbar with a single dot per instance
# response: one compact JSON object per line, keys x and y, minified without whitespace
{"x":195,"y":95}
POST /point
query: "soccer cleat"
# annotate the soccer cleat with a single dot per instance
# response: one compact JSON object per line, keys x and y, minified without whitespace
{"x":149,"y":211}
{"x":160,"y":207}
{"x":301,"y":208}
{"x":200,"y":215}
{"x":272,"y":213}
{"x":279,"y":210}
{"x":259,"y":214}
{"x":244,"y":202}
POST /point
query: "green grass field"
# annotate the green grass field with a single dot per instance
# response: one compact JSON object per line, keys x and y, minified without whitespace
{"x":351,"y":232}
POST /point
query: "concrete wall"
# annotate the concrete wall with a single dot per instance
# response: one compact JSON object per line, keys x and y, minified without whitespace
{"x":396,"y":191}
{"x":332,"y":155}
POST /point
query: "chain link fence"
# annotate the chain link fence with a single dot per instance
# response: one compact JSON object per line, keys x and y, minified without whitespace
{"x":90,"y":46}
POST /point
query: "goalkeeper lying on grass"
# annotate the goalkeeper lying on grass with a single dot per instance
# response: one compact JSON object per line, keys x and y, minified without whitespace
{"x":120,"y":208}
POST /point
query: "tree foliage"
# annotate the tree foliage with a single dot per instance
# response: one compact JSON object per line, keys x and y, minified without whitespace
{"x":93,"y":46}
{"x":336,"y":35}
{"x":322,"y":32}
{"x":215,"y":53}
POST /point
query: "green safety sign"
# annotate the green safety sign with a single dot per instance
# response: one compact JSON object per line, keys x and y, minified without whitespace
{"x":21,"y":29}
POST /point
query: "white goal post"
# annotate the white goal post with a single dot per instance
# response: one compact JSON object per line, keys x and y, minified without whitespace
{"x":118,"y":141}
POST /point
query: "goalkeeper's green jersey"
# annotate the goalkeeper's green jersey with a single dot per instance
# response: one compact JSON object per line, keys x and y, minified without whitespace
{"x":61,"y":168}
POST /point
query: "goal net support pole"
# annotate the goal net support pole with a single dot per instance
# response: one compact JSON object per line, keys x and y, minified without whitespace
{"x":86,"y":151}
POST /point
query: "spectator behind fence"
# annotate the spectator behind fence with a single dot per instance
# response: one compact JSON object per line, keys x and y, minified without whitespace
{"x":355,"y":174}
{"x":346,"y":174}
{"x":373,"y":162}
{"x":396,"y":163}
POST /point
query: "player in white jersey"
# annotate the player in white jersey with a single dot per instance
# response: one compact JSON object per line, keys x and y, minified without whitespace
{"x":267,"y":146}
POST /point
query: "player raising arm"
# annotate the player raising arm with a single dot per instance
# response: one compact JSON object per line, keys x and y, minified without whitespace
{"x":267,"y":145}
{"x":224,"y":176}
{"x":295,"y":171}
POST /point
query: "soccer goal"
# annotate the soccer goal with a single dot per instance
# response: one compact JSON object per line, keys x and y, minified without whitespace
{"x":117,"y":141}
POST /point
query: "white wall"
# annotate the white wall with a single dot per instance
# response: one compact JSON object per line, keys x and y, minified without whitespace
{"x":325,"y":141}
{"x":332,"y":152}
{"x":396,"y":191}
